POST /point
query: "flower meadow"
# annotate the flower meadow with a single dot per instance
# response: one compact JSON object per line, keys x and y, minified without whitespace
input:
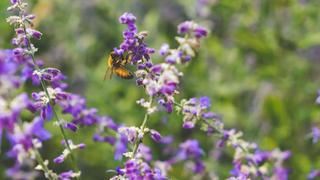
{"x":49,"y":129}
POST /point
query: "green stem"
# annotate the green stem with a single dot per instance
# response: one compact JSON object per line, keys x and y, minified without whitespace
{"x":51,"y":103}
{"x":142,"y":128}
{"x":44,"y":166}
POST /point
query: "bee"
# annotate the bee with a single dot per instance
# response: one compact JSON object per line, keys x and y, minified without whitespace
{"x":116,"y":64}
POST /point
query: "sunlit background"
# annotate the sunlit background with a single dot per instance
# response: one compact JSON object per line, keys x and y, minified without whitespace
{"x":259,"y":65}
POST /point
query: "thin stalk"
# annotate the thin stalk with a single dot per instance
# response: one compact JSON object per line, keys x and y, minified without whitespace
{"x":142,"y":128}
{"x":44,"y":166}
{"x":44,"y":87}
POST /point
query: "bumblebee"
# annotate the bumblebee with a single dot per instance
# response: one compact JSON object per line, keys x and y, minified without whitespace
{"x":116,"y":64}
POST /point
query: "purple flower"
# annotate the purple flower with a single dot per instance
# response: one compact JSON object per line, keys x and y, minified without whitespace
{"x":205,"y":102}
{"x":48,"y":74}
{"x":164,"y":50}
{"x":155,"y":135}
{"x":210,"y":115}
{"x":109,"y":139}
{"x":38,"y":129}
{"x":59,"y":159}
{"x":225,"y":137}
{"x":131,"y":133}
{"x":68,"y":175}
{"x":71,"y":126}
{"x":195,"y":109}
{"x":133,"y":44}
{"x":46,"y":112}
{"x":314,"y":174}
{"x":42,"y":102}
{"x":168,"y":105}
{"x":167,"y":140}
{"x":185,"y":27}
{"x":189,"y":27}
{"x":188,"y":125}
{"x":144,"y":152}
{"x":260,"y":157}
{"x":18,"y":172}
{"x":14,"y":1}
{"x":200,"y":32}
{"x":139,"y":169}
{"x":120,"y":147}
{"x":281,"y":173}
{"x":189,"y":149}
{"x":315,"y":134}
{"x":198,"y":166}
{"x":34,"y":33}
{"x":76,"y":106}
{"x":238,"y":172}
{"x":127,"y":18}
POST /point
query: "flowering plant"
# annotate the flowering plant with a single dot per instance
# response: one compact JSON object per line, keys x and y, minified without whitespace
{"x":161,"y":84}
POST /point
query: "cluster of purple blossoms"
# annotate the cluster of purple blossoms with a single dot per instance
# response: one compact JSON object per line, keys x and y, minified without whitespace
{"x":18,"y":66}
{"x":24,"y":137}
{"x":72,"y":104}
{"x":130,"y":135}
{"x":160,"y":81}
{"x":24,"y":140}
{"x":138,"y":169}
{"x":188,"y":45}
{"x":133,"y":44}
{"x":249,"y":161}
{"x":190,"y":152}
{"x":196,"y":109}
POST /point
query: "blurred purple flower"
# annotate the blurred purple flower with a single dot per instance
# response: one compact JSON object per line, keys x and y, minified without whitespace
{"x":144,"y":152}
{"x":314,"y":174}
{"x":281,"y":173}
{"x":109,"y":139}
{"x":155,"y":135}
{"x":68,"y":175}
{"x":120,"y":147}
{"x":133,"y":43}
{"x":185,"y":27}
{"x":189,"y":149}
{"x":189,"y":27}
{"x":138,"y":169}
{"x":59,"y":159}
{"x":315,"y":134}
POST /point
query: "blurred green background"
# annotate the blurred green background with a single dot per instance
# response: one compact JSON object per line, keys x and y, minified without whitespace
{"x":259,"y":66}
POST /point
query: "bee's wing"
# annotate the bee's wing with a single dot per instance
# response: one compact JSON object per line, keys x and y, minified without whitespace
{"x":109,"y":68}
{"x":123,"y":72}
{"x":106,"y":73}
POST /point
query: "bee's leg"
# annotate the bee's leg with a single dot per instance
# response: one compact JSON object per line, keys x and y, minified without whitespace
{"x":111,"y":72}
{"x":128,"y":58}
{"x":105,"y":74}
